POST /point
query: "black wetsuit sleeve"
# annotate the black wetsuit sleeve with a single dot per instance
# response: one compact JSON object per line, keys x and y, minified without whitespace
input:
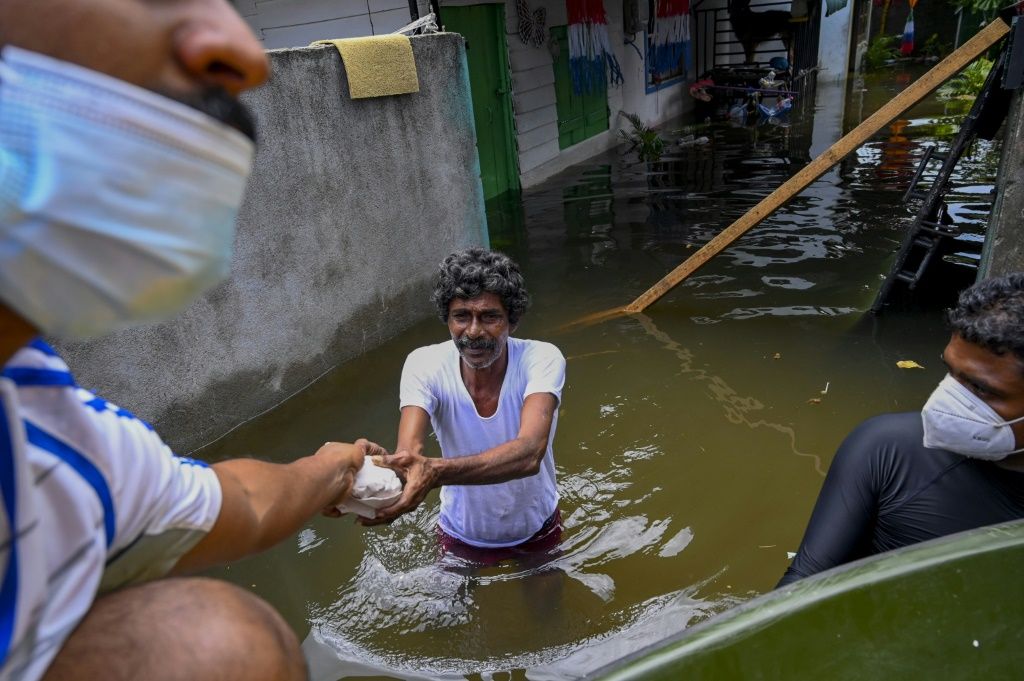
{"x":841,"y":524}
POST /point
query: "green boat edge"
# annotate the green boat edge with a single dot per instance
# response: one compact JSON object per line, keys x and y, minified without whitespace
{"x":977,"y":565}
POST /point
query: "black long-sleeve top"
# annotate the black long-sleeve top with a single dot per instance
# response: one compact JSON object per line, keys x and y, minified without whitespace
{"x":885,"y":490}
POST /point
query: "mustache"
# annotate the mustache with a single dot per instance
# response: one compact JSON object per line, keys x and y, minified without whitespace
{"x":464,"y":343}
{"x":217,"y":103}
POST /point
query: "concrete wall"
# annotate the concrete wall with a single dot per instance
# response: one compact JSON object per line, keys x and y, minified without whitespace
{"x":1003,"y":251}
{"x":296,"y":23}
{"x":834,"y":44}
{"x":351,"y":207}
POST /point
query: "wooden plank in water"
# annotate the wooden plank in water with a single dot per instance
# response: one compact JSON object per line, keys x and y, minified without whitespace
{"x":921,"y":88}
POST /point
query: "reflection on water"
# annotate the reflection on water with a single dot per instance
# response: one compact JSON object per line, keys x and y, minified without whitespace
{"x":692,"y":440}
{"x":737,"y":409}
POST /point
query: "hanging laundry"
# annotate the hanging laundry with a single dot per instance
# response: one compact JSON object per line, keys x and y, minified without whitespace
{"x":907,"y":44}
{"x":669,"y":51}
{"x":590,"y":51}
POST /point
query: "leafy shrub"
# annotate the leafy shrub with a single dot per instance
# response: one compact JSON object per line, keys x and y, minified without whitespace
{"x":968,"y":83}
{"x":881,"y":50}
{"x":935,"y":48}
{"x":643,"y":138}
{"x":986,"y":8}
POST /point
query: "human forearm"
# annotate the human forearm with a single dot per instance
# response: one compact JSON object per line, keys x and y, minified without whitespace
{"x":263,"y":503}
{"x":280,"y":498}
{"x":518,"y":458}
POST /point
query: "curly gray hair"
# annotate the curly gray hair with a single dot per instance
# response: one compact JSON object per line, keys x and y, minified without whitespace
{"x":474,"y":271}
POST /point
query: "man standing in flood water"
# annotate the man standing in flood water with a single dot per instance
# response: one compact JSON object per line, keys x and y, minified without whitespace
{"x":124,"y":155}
{"x":493,"y":402}
{"x":958,"y":464}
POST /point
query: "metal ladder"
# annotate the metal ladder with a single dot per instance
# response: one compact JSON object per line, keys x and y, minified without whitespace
{"x":932,"y":225}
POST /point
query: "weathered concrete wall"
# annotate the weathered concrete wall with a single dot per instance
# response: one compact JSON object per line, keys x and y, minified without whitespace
{"x":297,"y":23}
{"x":1003,"y":251}
{"x":351,"y":207}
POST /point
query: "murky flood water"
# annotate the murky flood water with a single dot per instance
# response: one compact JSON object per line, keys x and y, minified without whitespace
{"x":692,"y":441}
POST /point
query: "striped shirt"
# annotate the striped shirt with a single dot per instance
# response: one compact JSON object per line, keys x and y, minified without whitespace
{"x":91,"y":499}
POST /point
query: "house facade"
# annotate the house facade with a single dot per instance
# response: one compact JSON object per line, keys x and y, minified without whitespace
{"x":537,"y":105}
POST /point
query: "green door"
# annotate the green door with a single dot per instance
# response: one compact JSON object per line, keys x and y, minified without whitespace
{"x":579,"y":116}
{"x":483,"y":27}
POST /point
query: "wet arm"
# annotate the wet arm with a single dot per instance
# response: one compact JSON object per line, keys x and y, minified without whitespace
{"x":517,"y":458}
{"x":263,"y":503}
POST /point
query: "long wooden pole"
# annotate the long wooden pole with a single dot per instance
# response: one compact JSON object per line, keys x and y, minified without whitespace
{"x":924,"y":85}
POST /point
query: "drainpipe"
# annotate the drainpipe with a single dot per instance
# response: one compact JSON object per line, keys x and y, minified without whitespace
{"x":414,"y":10}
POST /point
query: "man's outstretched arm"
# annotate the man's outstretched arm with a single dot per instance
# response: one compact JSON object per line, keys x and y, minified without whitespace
{"x":518,"y":458}
{"x":263,"y":503}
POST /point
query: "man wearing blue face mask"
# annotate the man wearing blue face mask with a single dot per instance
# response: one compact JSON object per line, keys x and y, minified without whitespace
{"x":958,"y":464}
{"x":124,"y":154}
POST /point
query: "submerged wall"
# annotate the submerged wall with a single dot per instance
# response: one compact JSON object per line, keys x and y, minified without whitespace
{"x":1003,"y":251}
{"x":350,"y":209}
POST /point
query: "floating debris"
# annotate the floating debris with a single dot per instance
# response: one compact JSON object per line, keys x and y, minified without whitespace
{"x":692,"y":141}
{"x":908,"y":364}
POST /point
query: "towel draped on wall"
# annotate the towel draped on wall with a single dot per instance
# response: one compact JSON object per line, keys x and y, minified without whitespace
{"x":377,"y":66}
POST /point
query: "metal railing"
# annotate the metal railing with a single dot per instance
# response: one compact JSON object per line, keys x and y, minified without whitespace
{"x":715,"y":43}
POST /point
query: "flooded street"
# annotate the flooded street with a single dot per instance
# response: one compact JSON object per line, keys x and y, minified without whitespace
{"x":692,"y":440}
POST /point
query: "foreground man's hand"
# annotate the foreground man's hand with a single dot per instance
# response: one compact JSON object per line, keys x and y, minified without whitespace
{"x":349,"y":459}
{"x":420,"y":475}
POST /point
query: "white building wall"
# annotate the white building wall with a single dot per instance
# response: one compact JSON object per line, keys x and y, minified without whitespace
{"x":533,"y":87}
{"x":291,"y":23}
{"x":294,"y":23}
{"x":834,"y":46}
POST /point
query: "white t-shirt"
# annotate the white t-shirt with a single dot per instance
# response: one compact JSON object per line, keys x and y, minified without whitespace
{"x":91,"y":499}
{"x":502,"y":514}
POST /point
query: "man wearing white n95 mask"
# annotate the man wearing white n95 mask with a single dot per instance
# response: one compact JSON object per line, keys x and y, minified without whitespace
{"x":124,"y":154}
{"x":958,"y":464}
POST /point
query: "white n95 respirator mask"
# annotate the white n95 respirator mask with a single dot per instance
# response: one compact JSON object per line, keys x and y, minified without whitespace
{"x":957,"y":420}
{"x":117,"y":205}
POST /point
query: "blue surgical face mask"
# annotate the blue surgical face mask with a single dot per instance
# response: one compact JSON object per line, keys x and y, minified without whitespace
{"x":957,"y":420}
{"x":117,"y":205}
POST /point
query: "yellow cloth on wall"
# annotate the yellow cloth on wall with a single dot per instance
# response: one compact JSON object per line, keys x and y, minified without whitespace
{"x":377,"y":66}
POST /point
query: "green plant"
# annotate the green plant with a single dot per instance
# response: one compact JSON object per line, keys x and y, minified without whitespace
{"x":986,"y":8}
{"x":643,"y":138}
{"x":880,"y":51}
{"x":968,"y":83}
{"x":935,"y":48}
